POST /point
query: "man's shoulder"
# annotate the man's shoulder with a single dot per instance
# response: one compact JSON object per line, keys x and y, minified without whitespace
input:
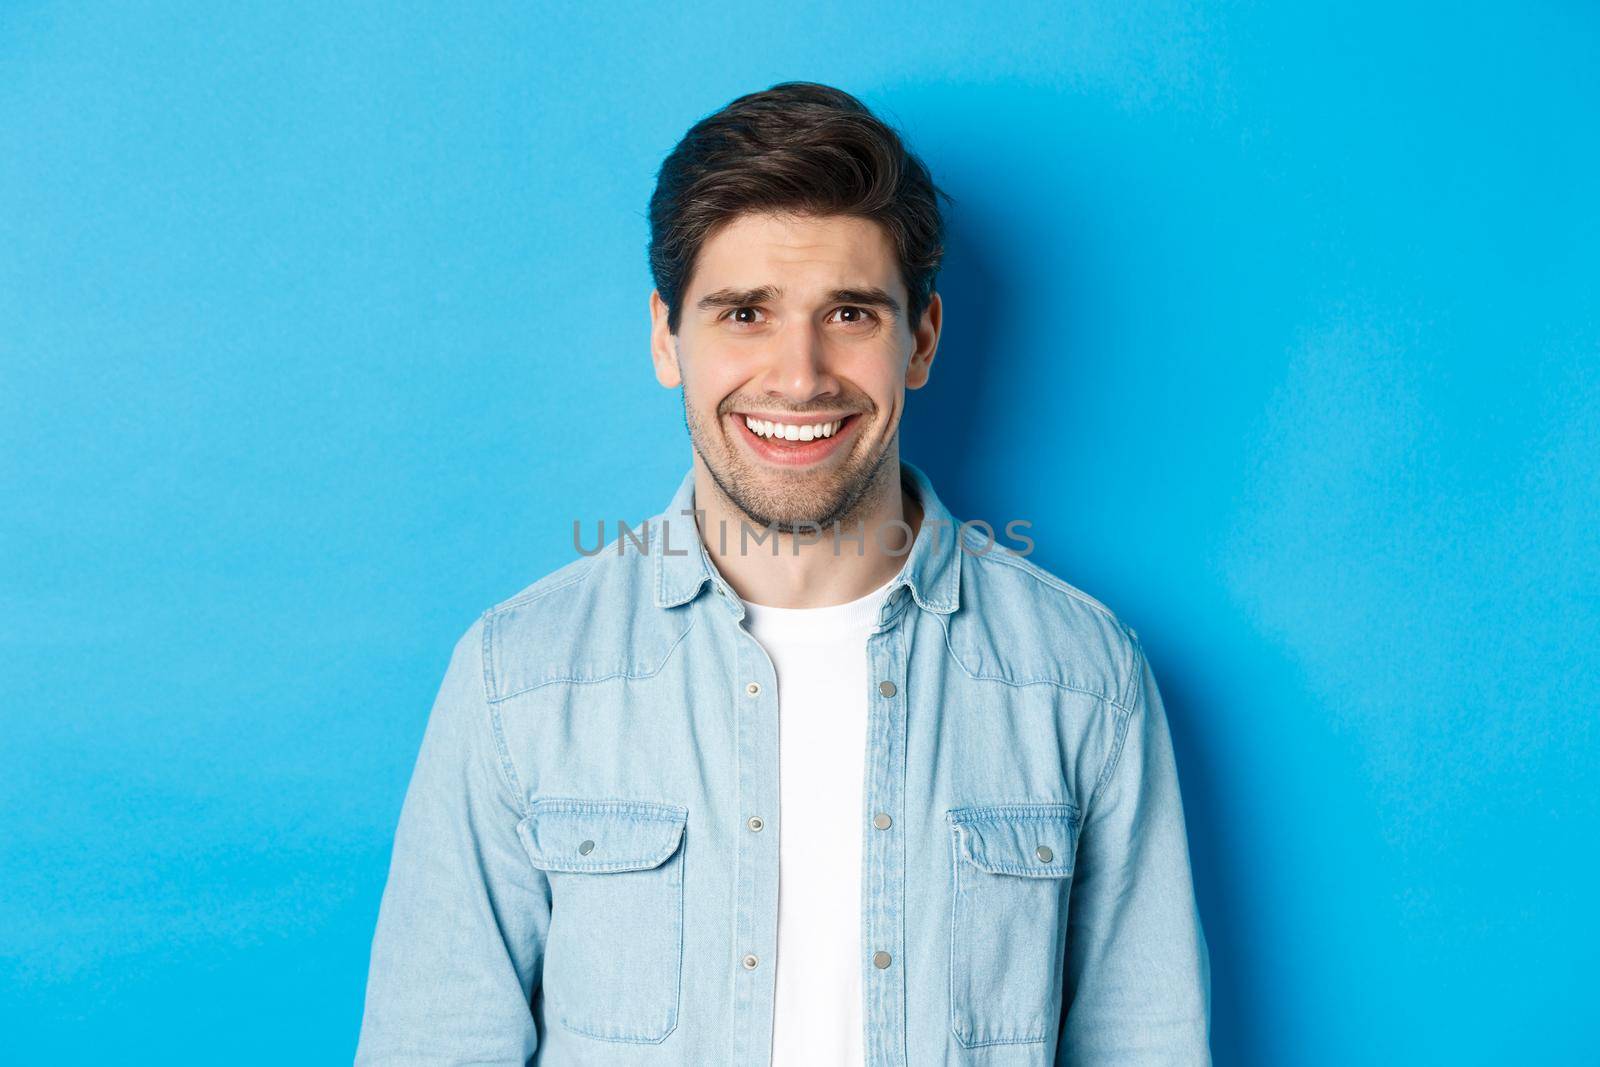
{"x":1029,"y":625}
{"x":573,"y":623}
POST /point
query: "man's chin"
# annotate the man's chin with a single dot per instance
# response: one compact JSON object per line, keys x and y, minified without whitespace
{"x":788,"y":499}
{"x":787,"y":503}
{"x":785,"y":519}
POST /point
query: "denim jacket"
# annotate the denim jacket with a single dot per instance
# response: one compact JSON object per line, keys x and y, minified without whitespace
{"x":585,"y":869}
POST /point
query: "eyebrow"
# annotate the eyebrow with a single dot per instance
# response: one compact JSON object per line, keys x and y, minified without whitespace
{"x":871,"y":296}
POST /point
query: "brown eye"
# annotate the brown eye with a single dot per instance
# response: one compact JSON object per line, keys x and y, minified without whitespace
{"x":739,"y":313}
{"x":853,"y":315}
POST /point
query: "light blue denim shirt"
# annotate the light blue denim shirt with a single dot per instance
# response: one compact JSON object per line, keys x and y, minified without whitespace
{"x":585,"y":870}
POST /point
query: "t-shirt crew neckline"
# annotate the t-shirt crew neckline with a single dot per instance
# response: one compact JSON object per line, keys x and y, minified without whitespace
{"x":826,"y":623}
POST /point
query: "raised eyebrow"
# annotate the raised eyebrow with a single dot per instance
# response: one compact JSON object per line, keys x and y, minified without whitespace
{"x":762,"y":294}
{"x":737,"y":298}
{"x":871,"y":297}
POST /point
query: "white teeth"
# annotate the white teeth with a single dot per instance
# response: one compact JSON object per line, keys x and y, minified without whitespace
{"x":791,"y":432}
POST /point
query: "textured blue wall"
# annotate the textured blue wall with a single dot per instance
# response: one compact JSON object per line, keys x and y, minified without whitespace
{"x":316,"y":330}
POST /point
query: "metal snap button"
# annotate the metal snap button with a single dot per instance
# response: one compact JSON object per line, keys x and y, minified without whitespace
{"x":754,"y":822}
{"x":881,"y":821}
{"x":753,"y":688}
{"x":586,"y":848}
{"x":886,"y":687}
{"x":1044,"y":853}
{"x":749,"y":963}
{"x":880,"y":959}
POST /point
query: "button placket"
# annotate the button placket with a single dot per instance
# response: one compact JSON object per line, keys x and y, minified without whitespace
{"x":756,"y":888}
{"x":884,"y":855}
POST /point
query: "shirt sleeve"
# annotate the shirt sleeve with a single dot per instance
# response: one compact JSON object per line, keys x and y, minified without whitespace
{"x":1138,"y":978}
{"x":461,"y":923}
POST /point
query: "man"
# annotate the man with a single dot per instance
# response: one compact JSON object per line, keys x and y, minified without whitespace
{"x":756,"y":784}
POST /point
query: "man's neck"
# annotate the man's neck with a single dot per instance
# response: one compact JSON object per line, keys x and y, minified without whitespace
{"x":822,"y":569}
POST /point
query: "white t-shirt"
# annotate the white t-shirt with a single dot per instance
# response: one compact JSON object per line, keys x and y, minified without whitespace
{"x":820,"y":655}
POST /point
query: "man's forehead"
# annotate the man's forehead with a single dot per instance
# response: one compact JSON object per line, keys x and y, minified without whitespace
{"x":796,"y":252}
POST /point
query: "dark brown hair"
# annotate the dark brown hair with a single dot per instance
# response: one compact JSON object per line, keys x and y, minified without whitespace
{"x":797,"y":146}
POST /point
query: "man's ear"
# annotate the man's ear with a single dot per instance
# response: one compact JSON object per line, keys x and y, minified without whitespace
{"x":926,"y":338}
{"x":663,"y":347}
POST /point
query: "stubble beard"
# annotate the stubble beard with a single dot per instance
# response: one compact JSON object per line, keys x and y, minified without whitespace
{"x":815,"y":504}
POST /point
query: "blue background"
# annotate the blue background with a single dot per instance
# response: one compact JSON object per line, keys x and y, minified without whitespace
{"x":318,"y":328}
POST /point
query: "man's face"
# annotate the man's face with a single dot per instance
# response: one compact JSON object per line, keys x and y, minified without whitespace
{"x":798,"y":322}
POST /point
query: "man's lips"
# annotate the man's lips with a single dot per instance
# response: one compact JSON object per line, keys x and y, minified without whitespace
{"x":787,"y":453}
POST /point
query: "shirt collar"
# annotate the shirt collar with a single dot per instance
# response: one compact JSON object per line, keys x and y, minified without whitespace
{"x":932,"y":569}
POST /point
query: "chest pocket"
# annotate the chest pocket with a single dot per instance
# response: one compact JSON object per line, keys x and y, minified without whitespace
{"x":614,"y":953}
{"x":1008,"y":929}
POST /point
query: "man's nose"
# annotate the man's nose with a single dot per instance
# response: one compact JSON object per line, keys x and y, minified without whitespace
{"x":798,"y":362}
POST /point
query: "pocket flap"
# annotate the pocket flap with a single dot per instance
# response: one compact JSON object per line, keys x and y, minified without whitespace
{"x":1034,"y":840}
{"x":573,"y":834}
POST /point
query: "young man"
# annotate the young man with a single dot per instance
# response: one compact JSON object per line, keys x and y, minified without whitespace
{"x":755,"y":784}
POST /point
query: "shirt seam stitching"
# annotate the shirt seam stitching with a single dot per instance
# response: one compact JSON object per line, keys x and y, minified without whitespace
{"x":581,"y":680}
{"x":1071,"y":687}
{"x":1118,"y":742}
{"x":508,"y":769}
{"x":1044,"y":577}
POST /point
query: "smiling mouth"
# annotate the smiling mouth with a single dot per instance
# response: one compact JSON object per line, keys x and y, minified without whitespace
{"x":795,"y":443}
{"x":793,"y":431}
